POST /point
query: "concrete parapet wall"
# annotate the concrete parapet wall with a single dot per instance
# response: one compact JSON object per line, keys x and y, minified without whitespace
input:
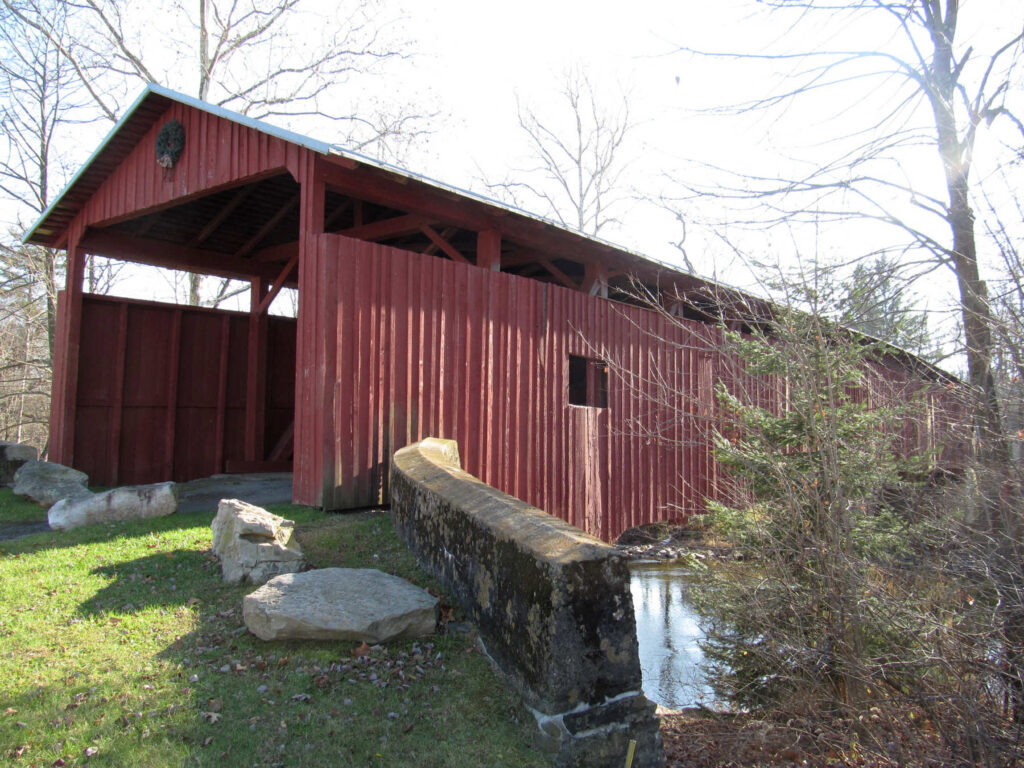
{"x":552,"y":604}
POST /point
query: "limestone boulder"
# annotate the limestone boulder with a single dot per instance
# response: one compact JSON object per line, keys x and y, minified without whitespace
{"x":254,"y":545}
{"x":12,"y":456}
{"x":127,"y":503}
{"x":47,"y":483}
{"x":352,"y":604}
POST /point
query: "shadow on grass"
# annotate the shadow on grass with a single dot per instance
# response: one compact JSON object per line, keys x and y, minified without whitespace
{"x":103,"y":532}
{"x":219,"y":695}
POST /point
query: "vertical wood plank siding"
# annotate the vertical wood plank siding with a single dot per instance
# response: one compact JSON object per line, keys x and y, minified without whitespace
{"x":426,"y":346}
{"x":161,"y":390}
{"x":217,"y":153}
{"x":429,"y":347}
{"x":389,"y":347}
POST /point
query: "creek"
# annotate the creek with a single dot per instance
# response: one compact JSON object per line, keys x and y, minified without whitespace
{"x":668,"y":630}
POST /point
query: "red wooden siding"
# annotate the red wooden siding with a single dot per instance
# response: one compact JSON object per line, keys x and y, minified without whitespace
{"x":426,"y":346}
{"x":218,"y":153}
{"x":161,"y":390}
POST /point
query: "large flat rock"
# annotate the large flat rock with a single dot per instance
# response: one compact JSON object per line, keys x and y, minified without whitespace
{"x":355,"y":604}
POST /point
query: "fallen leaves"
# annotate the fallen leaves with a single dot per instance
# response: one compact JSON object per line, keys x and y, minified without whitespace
{"x":362,"y":650}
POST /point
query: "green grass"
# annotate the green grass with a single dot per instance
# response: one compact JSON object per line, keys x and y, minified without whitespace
{"x":14,"y":509}
{"x":113,"y":638}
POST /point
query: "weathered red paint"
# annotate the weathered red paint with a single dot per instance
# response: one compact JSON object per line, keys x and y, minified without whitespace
{"x":218,"y":153}
{"x":161,"y":390}
{"x":426,"y":346}
{"x":389,"y":346}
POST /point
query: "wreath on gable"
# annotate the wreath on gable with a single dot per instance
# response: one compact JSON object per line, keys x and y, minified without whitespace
{"x":170,"y":143}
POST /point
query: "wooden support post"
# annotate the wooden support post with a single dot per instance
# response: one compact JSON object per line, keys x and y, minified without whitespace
{"x":314,"y":385}
{"x":222,"y":394}
{"x":65,"y":383}
{"x":117,"y":407}
{"x":256,"y":373}
{"x":171,"y":417}
{"x":488,"y":249}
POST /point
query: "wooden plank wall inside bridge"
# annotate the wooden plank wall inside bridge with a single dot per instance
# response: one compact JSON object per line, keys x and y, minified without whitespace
{"x":161,"y":389}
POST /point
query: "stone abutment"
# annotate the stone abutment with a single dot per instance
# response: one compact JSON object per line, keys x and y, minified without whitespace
{"x":552,"y":604}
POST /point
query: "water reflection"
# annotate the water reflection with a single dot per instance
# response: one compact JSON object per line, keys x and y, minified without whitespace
{"x":668,"y":630}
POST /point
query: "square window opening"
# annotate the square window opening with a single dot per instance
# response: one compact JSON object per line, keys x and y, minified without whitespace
{"x":588,"y":382}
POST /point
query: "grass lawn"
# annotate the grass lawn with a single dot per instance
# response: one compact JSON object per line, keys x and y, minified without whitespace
{"x":121,"y":646}
{"x":14,"y":509}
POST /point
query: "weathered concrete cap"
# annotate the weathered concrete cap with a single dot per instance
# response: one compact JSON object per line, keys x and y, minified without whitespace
{"x":357,"y":604}
{"x":47,"y":483}
{"x":134,"y":502}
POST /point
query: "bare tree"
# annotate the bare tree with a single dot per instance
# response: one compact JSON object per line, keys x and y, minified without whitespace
{"x":263,"y":58}
{"x":917,"y":91}
{"x":577,"y":156}
{"x":41,"y":98}
{"x":922,"y":89}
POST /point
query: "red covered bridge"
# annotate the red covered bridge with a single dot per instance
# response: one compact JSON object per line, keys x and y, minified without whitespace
{"x":423,"y":310}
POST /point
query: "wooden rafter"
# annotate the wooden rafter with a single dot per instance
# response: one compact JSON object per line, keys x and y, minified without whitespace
{"x":445,"y":233}
{"x":284,"y":447}
{"x":278,"y":253}
{"x":143,"y":250}
{"x":267,"y":228}
{"x":277,"y":285}
{"x":146,"y":226}
{"x":337,"y":213}
{"x":393,"y":227}
{"x":214,"y":224}
{"x":440,"y":242}
{"x":520,"y":257}
{"x":559,"y":275}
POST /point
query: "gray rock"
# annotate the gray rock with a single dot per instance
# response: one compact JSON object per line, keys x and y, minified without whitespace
{"x":254,"y":545}
{"x":47,"y":483}
{"x":355,"y":604}
{"x":12,"y":456}
{"x":128,"y":503}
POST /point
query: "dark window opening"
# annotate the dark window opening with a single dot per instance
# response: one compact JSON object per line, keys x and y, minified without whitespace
{"x":588,"y":382}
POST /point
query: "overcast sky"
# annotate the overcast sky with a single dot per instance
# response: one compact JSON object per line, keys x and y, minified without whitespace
{"x":478,"y":58}
{"x":473,"y":60}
